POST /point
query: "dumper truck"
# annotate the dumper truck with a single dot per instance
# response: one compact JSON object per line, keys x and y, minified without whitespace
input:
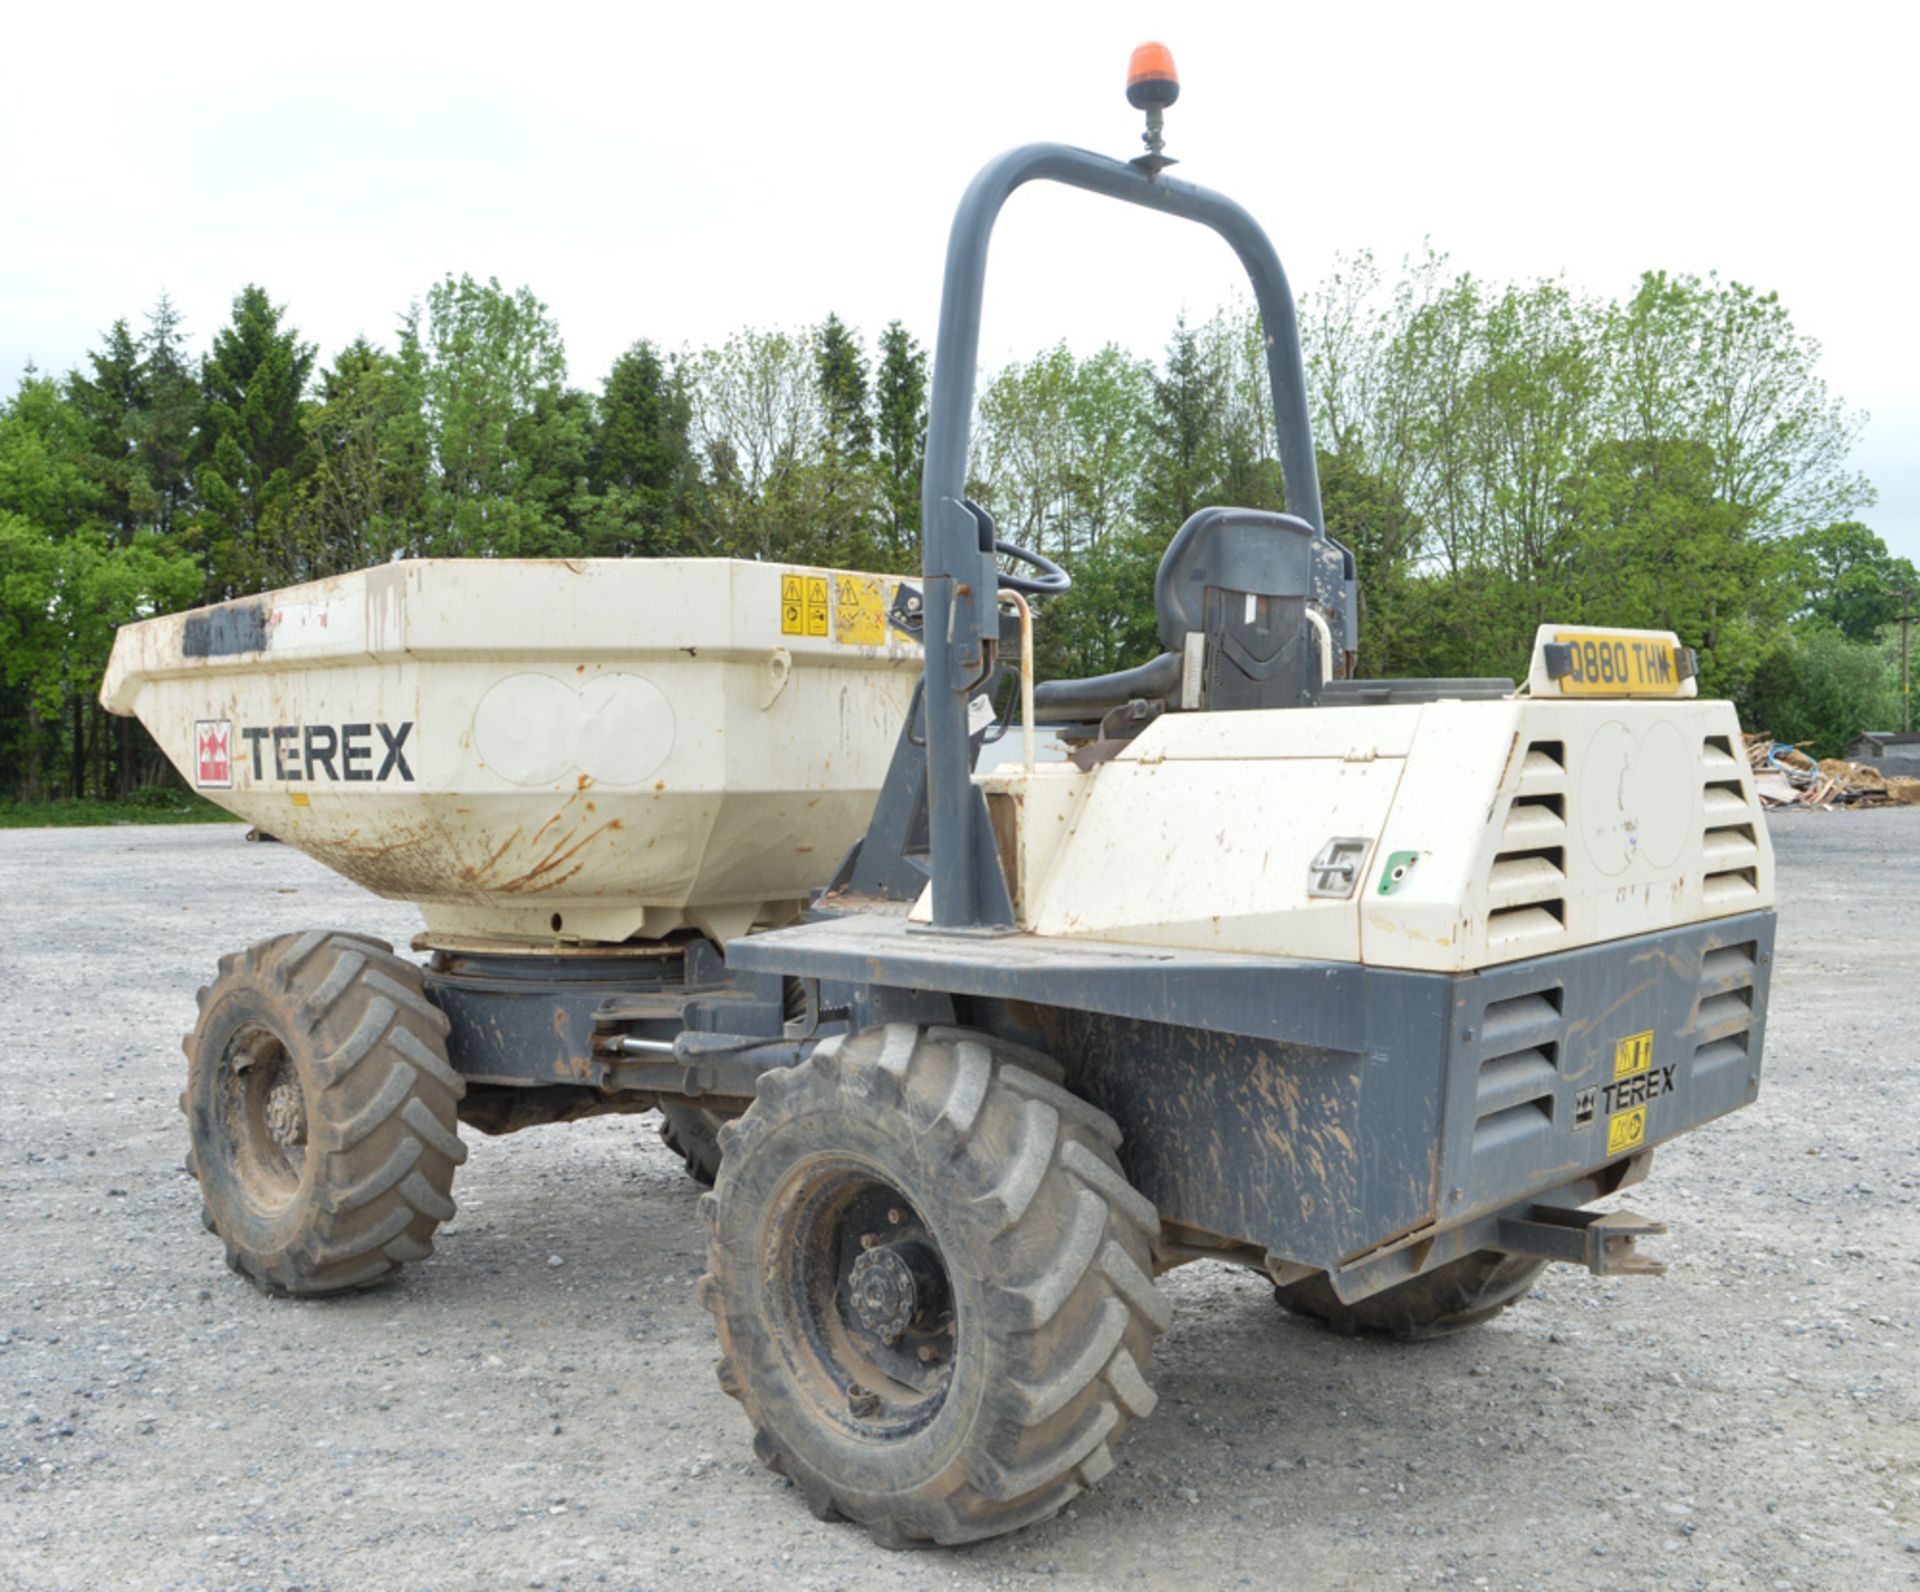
{"x":1375,"y":988}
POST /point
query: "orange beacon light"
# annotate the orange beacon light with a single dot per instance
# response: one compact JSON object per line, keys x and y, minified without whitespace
{"x":1152,"y":83}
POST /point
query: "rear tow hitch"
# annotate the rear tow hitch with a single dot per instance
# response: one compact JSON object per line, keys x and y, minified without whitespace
{"x":1603,"y":1242}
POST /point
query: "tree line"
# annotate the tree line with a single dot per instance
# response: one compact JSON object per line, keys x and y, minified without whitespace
{"x":1496,"y":455}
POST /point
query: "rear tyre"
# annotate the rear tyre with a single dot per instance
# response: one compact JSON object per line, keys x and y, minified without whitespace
{"x":1463,"y":1293}
{"x":693,"y":1134}
{"x":932,"y":1284}
{"x":322,"y":1112}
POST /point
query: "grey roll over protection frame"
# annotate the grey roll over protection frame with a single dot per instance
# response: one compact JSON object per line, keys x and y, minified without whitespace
{"x":962,"y":583}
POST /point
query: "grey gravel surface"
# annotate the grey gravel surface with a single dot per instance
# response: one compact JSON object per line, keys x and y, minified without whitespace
{"x":535,"y":1405}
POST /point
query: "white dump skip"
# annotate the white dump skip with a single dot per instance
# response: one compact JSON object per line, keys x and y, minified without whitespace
{"x":584,"y":749}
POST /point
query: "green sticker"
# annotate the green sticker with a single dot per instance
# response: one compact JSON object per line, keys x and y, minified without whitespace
{"x":1399,"y":865}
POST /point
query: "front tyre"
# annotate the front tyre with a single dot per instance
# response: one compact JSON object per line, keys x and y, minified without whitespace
{"x":322,"y":1112}
{"x":932,"y":1284}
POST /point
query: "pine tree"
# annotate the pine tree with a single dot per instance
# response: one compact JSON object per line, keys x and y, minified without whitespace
{"x":169,"y":416}
{"x":900,"y":399}
{"x":109,"y":402}
{"x":1187,"y":461}
{"x":254,"y":443}
{"x":840,"y":367}
{"x":640,"y":464}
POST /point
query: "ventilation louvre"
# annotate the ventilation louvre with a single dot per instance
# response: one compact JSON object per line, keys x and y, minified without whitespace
{"x":1729,"y":848}
{"x":1722,"y":1024}
{"x":1520,"y":1046}
{"x":1729,"y":840}
{"x":1527,"y":883}
{"x":1544,"y":767}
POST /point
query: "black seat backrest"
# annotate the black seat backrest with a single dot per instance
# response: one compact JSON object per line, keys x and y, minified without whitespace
{"x":1243,"y":578}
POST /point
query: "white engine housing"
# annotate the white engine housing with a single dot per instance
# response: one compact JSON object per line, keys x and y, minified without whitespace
{"x":1481,"y":832}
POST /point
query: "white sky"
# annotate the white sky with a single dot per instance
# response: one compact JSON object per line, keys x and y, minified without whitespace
{"x":678,"y":171}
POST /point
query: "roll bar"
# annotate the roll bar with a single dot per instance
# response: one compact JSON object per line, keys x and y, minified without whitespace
{"x":962,"y":583}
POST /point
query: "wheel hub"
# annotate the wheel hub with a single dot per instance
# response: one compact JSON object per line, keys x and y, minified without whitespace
{"x":263,"y":1118}
{"x":287,"y":1113}
{"x":860,"y":1295}
{"x":885,"y":1294}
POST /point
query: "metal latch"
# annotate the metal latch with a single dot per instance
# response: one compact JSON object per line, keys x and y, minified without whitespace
{"x":908,"y":615}
{"x":1335,"y":872}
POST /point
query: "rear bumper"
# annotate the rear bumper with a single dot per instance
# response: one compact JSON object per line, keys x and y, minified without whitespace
{"x":1562,"y":1065}
{"x":1475,"y":1096}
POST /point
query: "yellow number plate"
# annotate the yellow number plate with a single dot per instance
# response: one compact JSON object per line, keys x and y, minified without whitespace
{"x":1604,"y":665}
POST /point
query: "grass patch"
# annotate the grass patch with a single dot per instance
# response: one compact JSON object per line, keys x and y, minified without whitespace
{"x":142,"y":807}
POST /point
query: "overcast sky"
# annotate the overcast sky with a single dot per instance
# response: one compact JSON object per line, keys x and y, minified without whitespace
{"x":677,"y":172}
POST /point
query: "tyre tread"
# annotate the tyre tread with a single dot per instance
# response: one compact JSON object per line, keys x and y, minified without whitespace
{"x":381,"y":1101}
{"x":1078,"y":1312}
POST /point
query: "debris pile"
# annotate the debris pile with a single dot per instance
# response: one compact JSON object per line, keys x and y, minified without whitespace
{"x":1785,"y":776}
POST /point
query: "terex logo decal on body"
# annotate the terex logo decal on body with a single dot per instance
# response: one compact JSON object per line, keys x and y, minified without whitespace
{"x":296,"y":753}
{"x":1638,"y":1090}
{"x":213,"y":754}
{"x":1636,"y":1081}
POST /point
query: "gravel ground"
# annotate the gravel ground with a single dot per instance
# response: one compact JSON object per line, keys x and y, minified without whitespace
{"x":535,"y":1406}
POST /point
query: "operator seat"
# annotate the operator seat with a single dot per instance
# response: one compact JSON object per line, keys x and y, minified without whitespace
{"x":1256,"y":610}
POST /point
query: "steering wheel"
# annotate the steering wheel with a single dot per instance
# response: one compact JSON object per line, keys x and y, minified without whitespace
{"x":1050,"y":582}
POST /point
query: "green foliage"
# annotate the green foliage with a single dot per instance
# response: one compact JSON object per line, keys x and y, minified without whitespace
{"x":840,"y":369}
{"x":1059,"y":447}
{"x":1553,"y":457}
{"x":640,"y":464}
{"x":781,"y":424}
{"x":900,"y":432}
{"x":1495,"y":456}
{"x":506,"y":441}
{"x":1372,"y":518}
{"x":1850,"y":582}
{"x":1189,"y":443}
{"x":1107,"y":621}
{"x":152,"y":805}
{"x":1815,"y":686}
{"x":365,"y":498}
{"x":253,"y":443}
{"x":70,"y":572}
{"x":109,"y":403}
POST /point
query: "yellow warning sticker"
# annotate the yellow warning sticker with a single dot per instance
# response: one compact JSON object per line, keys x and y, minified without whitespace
{"x":1633,"y":1054}
{"x":1627,"y":1131}
{"x":859,"y":611}
{"x":803,"y":605}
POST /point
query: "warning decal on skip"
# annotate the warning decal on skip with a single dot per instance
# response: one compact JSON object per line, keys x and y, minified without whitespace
{"x":803,"y":605}
{"x":859,"y":610}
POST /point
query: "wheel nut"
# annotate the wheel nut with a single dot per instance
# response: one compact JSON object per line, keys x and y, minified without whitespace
{"x":926,"y":1352}
{"x":896,"y":1216}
